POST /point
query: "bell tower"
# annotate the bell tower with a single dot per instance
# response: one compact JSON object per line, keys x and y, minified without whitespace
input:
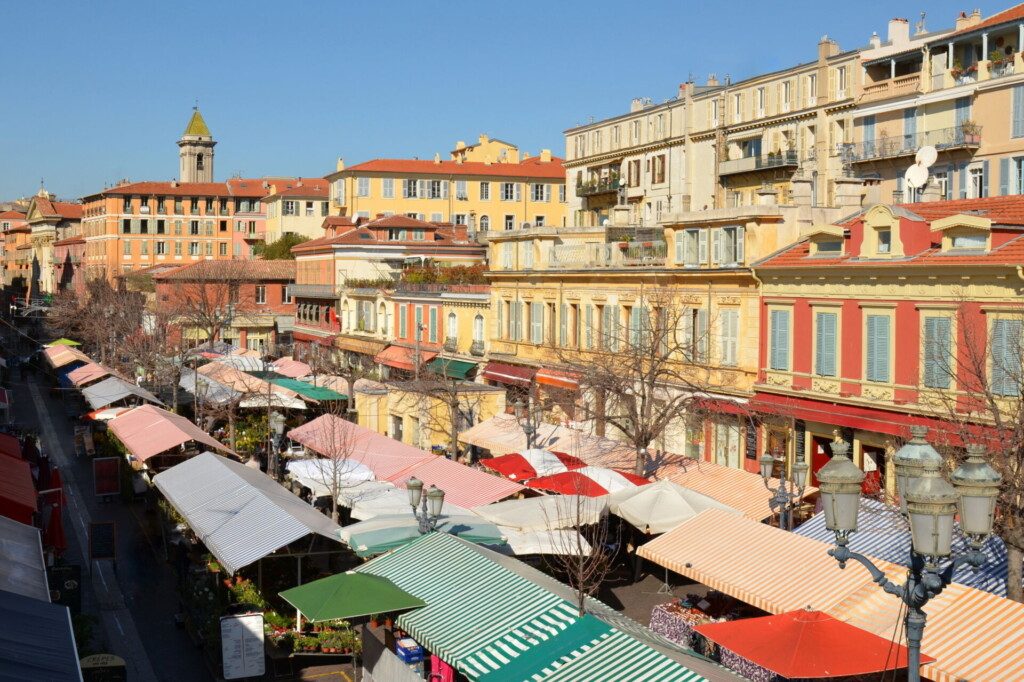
{"x":195,"y":151}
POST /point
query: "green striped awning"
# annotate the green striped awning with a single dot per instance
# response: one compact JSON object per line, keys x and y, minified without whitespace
{"x":489,"y":622}
{"x":308,"y":390}
{"x":453,"y":369}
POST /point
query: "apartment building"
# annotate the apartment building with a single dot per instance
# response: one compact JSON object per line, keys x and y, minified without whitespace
{"x":485,"y":187}
{"x":49,"y":221}
{"x":296,"y":206}
{"x":14,"y":231}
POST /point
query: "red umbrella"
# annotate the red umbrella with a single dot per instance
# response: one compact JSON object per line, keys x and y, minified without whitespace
{"x":589,"y":481}
{"x":533,"y":463}
{"x":807,"y":644}
{"x":53,"y":527}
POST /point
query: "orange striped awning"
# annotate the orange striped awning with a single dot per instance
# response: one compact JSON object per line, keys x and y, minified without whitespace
{"x":401,"y":357}
{"x":772,"y":569}
{"x":557,"y":378}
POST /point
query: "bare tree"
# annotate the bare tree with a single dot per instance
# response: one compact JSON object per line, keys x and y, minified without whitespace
{"x":974,"y":380}
{"x":642,"y":367}
{"x":101,"y":319}
{"x":348,"y":366}
{"x":208,"y":296}
{"x":339,"y":440}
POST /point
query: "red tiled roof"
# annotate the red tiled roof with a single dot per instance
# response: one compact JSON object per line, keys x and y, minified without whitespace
{"x":1008,"y":210}
{"x":1014,"y":13}
{"x":531,"y":168}
{"x":399,"y":221}
{"x":12,"y":215}
{"x":62,"y":209}
{"x":235,"y":187}
{"x":69,"y":241}
{"x":248,"y":270}
{"x":300,"y":187}
{"x":337,"y":221}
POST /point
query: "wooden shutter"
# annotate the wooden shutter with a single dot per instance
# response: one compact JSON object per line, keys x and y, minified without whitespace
{"x":702,"y":246}
{"x":961,"y":172}
{"x":984,"y":178}
{"x":780,"y":340}
{"x":1006,"y":359}
{"x":937,"y":352}
{"x":1018,"y":111}
{"x":688,"y":341}
{"x":563,"y":325}
{"x":702,"y":335}
{"x":716,"y":246}
{"x":444,"y":189}
{"x":634,"y":325}
{"x":680,"y":255}
{"x":518,"y":189}
{"x":741,"y":234}
{"x":501,"y":319}
{"x":1004,"y":176}
{"x":878,"y":348}
{"x":825,"y":344}
{"x":588,"y":317}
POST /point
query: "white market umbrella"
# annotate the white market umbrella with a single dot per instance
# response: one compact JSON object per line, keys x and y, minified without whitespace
{"x":546,"y":512}
{"x":560,"y":542}
{"x":318,"y":474}
{"x":661,"y":506}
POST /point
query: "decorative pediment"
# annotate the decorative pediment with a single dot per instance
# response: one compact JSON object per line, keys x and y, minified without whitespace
{"x":962,"y":220}
{"x":824,"y":230}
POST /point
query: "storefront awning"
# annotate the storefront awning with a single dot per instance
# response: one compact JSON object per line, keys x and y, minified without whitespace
{"x":308,"y":390}
{"x":451,"y":368}
{"x":364,"y":346}
{"x":509,"y":374}
{"x":18,"y":499}
{"x":401,"y":357}
{"x":557,"y":378}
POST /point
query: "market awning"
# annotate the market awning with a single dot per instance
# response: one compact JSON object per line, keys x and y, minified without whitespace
{"x":238,"y":512}
{"x":589,"y":481}
{"x":63,"y":342}
{"x":557,"y":378}
{"x":292,"y":369}
{"x":827,"y":647}
{"x":349,"y":595}
{"x":560,"y":541}
{"x":112,"y":390}
{"x":522,"y":466}
{"x":463,"y":485}
{"x":388,"y":532}
{"x":364,"y":346}
{"x":451,"y":368}
{"x":147,"y":431}
{"x":59,"y":356}
{"x":544,"y":512}
{"x":22,"y":568}
{"x":401,"y":357}
{"x":38,"y":642}
{"x":308,"y":390}
{"x":87,"y":373}
{"x":10,"y":446}
{"x":545,"y":655}
{"x":509,"y":374}
{"x":325,"y":476}
{"x":18,"y":499}
{"x":380,"y":498}
{"x":660,"y":507}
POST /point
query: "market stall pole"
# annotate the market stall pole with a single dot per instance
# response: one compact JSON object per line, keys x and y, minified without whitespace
{"x":930,"y":503}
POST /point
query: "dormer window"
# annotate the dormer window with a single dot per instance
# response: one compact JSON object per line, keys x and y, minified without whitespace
{"x":830,"y":247}
{"x":975,"y":242}
{"x":964,"y":232}
{"x":826,"y":240}
{"x":884,"y":242}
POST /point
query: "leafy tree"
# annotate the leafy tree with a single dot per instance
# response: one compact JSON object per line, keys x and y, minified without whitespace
{"x":280,"y":249}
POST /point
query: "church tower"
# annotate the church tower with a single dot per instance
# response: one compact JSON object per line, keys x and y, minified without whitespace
{"x":195,"y":150}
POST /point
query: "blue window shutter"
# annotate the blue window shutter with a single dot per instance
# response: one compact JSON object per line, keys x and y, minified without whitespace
{"x":825,"y":340}
{"x":910,"y":122}
{"x":869,"y":128}
{"x":819,"y":344}
{"x":949,"y":181}
{"x":780,"y":340}
{"x":963,"y":110}
{"x":878,"y":348}
{"x":937,"y":352}
{"x":984,"y":178}
{"x":961,"y":172}
{"x":998,"y":351}
{"x":869,"y":362}
{"x":1018,"y":111}
{"x":1004,"y":176}
{"x":773,"y":351}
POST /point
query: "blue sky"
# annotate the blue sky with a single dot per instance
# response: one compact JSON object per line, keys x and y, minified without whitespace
{"x":97,"y":91}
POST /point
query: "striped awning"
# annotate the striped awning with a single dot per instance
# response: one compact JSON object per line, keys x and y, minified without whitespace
{"x":557,"y":378}
{"x":503,"y":616}
{"x":401,"y":357}
{"x":462,"y":485}
{"x":509,"y":374}
{"x":772,"y":569}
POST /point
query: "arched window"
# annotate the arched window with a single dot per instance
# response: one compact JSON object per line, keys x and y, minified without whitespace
{"x":453,"y":326}
{"x":382,"y":319}
{"x":478,"y":328}
{"x":199,"y":162}
{"x":485,"y":223}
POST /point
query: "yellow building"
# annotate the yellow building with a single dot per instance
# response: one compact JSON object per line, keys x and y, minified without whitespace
{"x":296,"y":206}
{"x":488,"y":186}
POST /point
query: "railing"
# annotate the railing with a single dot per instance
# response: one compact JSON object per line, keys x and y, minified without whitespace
{"x":601,"y":255}
{"x":756,"y":163}
{"x":1004,"y":69}
{"x":312,"y":291}
{"x":424,"y":288}
{"x":451,"y":344}
{"x":477,"y":348}
{"x":893,"y":87}
{"x":904,"y":145}
{"x":598,"y":187}
{"x":645,"y":253}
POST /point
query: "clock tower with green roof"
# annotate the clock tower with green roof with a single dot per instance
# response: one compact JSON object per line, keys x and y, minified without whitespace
{"x":195,"y":150}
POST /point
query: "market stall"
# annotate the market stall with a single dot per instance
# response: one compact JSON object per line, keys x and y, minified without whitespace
{"x":544,"y":512}
{"x":589,"y":481}
{"x":39,"y":641}
{"x":661,"y":506}
{"x":148,"y":432}
{"x":521,"y":466}
{"x":22,"y":567}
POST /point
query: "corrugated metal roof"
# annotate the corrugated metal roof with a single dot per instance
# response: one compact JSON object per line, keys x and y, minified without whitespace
{"x":38,"y":642}
{"x":239,"y":513}
{"x":114,"y":389}
{"x":22,"y":570}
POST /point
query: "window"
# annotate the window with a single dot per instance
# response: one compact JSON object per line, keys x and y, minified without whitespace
{"x":969,"y":241}
{"x":478,"y":328}
{"x":507,"y":255}
{"x":160,"y":227}
{"x":942,"y":182}
{"x":537,"y":323}
{"x":193,"y":206}
{"x":126,"y":226}
{"x":812,"y":89}
{"x":310,"y":209}
{"x":436,"y":217}
{"x":485,"y":223}
{"x":209,"y":248}
{"x":760,"y":102}
{"x":840,"y":82}
{"x":437,"y":189}
{"x":433,"y":326}
{"x":127,"y":248}
{"x":410,"y":188}
{"x":161,"y":249}
{"x":362,"y":187}
{"x":714,"y":112}
{"x":418,"y":319}
{"x":785,"y":95}
{"x":729,"y":332}
{"x":691,"y":247}
{"x":779,"y":340}
{"x":510,"y":191}
{"x":828,"y":247}
{"x":460,"y":190}
{"x":193,"y":248}
{"x":510,"y":222}
{"x":193,"y":227}
{"x":485,"y":191}
{"x":527,"y":257}
{"x":884,"y":241}
{"x":1017,"y":112}
{"x":659,"y":169}
{"x":144,"y":248}
{"x":177,"y":227}
{"x":209,"y":205}
{"x":877,"y":345}
{"x":286,"y":294}
{"x":825,"y":344}
{"x":388,"y":188}
{"x":938,"y":352}
{"x":976,"y":188}
{"x":694,"y":331}
{"x":1006,"y":357}
{"x":737,"y":107}
{"x":540,"y":192}
{"x":403,"y":321}
{"x":615,"y":137}
{"x":452,"y":331}
{"x":261,"y":294}
{"x":728,"y":245}
{"x":538,"y":221}
{"x":290,"y":208}
{"x":177,"y":247}
{"x":459,"y":218}
{"x":126,"y":206}
{"x":418,"y":234}
{"x":561,"y":193}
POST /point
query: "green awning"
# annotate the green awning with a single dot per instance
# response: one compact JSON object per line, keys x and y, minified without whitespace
{"x":582,"y":633}
{"x":453,"y":369}
{"x":349,"y":595}
{"x":64,"y":342}
{"x":308,"y":390}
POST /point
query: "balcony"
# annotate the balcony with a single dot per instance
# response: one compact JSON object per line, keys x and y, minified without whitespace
{"x":602,"y":186}
{"x":892,"y":87}
{"x":615,"y":255}
{"x":477,"y":349}
{"x":751,"y":164}
{"x":312,"y":291}
{"x":960,"y":137}
{"x":451,"y":344}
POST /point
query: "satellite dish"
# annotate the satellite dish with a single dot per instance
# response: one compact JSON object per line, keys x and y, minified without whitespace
{"x":916,"y":176}
{"x":926,"y":156}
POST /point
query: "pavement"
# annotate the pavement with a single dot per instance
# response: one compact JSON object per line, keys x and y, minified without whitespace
{"x":133,"y":600}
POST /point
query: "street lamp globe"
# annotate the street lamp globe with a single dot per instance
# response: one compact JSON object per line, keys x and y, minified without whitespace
{"x":911,"y":459}
{"x":977,"y":487}
{"x":767,"y":463}
{"x":415,"y":488}
{"x":435,"y":500}
{"x":799,"y":472}
{"x":520,"y":408}
{"x":840,"y":481}
{"x":931,"y":506}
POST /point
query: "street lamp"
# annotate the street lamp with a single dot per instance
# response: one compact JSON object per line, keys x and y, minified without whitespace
{"x":931,"y":504}
{"x":788,"y":492}
{"x":529,"y":416}
{"x":430,"y":505}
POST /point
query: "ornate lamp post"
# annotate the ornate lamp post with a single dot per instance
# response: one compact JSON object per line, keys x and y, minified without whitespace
{"x":788,"y":492}
{"x":528,"y":414}
{"x":931,"y":503}
{"x":430,"y":505}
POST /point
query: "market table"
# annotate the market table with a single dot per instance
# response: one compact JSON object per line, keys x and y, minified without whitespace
{"x":676,"y":622}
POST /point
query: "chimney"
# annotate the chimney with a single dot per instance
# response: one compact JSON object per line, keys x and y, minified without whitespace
{"x":712,"y":80}
{"x":545,"y":156}
{"x":525,"y":156}
{"x":340,"y":166}
{"x":174,"y":183}
{"x":437,"y":159}
{"x":460,"y":145}
{"x":636,"y":104}
{"x":827,"y":48}
{"x":681,"y":92}
{"x":899,"y":31}
{"x":975,"y":18}
{"x":484,"y":139}
{"x":875,"y":41}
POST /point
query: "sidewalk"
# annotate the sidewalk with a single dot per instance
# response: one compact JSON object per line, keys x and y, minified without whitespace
{"x":134,"y":604}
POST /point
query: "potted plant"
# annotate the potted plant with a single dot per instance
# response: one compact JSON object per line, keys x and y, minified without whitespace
{"x":996,"y":58}
{"x":957,"y":70}
{"x":971,"y":132}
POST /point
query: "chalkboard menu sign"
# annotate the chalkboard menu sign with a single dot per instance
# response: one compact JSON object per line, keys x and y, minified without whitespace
{"x":751,"y":440}
{"x":65,"y":584}
{"x":241,"y":640}
{"x":104,"y":668}
{"x":102,"y":540}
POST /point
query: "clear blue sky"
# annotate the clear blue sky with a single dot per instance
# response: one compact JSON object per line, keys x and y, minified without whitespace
{"x":96,"y":91}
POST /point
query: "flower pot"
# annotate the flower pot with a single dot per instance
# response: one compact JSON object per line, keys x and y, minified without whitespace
{"x":374,"y":623}
{"x":388,"y":622}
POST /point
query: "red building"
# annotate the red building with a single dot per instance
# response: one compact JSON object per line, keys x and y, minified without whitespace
{"x":900,"y":315}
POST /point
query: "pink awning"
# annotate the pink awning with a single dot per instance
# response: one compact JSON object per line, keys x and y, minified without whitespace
{"x":401,"y":357}
{"x":148,"y":431}
{"x":293,"y":369}
{"x":462,"y":485}
{"x":87,"y":373}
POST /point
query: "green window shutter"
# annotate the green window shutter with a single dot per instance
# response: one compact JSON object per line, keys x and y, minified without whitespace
{"x":403,"y":323}
{"x":433,"y":325}
{"x":1004,"y":176}
{"x":563,"y":325}
{"x":986,"y":179}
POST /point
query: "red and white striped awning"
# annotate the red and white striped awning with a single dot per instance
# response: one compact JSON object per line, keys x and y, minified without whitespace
{"x":589,"y":481}
{"x":521,"y":466}
{"x":509,"y":374}
{"x":556,"y":378}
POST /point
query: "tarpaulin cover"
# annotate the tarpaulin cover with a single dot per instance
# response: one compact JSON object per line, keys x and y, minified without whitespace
{"x":589,"y":481}
{"x":520,"y":466}
{"x":38,"y":642}
{"x":17,"y":492}
{"x":349,"y":595}
{"x":148,"y":430}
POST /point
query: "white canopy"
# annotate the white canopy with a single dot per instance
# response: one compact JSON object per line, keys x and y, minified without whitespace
{"x":380,"y":498}
{"x":114,"y":389}
{"x":562,"y":542}
{"x":244,"y":363}
{"x":386,"y":521}
{"x":318,"y":474}
{"x":660,"y":507}
{"x":547,"y":512}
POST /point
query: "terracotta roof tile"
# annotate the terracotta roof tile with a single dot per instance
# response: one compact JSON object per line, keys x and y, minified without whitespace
{"x":399,"y":221}
{"x":531,"y":168}
{"x":235,"y":187}
{"x":317,"y":188}
{"x":1014,"y":13}
{"x":337,"y":221}
{"x":12,"y":215}
{"x":1008,"y":210}
{"x":248,"y":270}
